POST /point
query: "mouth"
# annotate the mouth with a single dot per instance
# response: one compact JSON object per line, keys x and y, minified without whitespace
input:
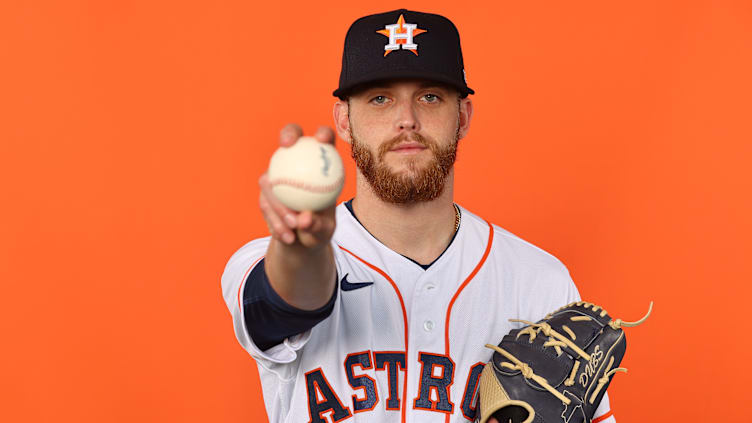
{"x":408,"y":147}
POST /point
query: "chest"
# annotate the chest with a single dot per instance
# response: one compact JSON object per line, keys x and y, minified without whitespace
{"x":404,"y":342}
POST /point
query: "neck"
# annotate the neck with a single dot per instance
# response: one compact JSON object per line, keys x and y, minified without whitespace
{"x":420,"y":231}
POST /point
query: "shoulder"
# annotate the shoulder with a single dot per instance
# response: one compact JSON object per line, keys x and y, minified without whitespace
{"x":527,"y":270}
{"x":241,"y":262}
{"x":251,"y":250}
{"x":509,"y":245}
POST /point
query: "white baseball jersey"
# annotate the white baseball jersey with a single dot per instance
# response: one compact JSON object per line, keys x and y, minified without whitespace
{"x":402,"y":344}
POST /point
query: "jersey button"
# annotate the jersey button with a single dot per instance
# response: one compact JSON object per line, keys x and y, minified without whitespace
{"x":430,"y":287}
{"x":428,"y":325}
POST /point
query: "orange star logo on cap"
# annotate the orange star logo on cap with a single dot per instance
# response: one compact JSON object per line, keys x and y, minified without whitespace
{"x":401,"y":36}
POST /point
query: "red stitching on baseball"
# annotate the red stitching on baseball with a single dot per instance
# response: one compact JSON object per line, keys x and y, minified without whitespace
{"x":319,"y":189}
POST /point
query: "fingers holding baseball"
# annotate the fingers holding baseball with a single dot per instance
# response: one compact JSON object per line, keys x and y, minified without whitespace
{"x":325,"y":134}
{"x":292,"y":131}
{"x":277,"y":229}
{"x":290,"y":134}
{"x":300,"y":189}
{"x":316,"y":228}
{"x":280,"y":219}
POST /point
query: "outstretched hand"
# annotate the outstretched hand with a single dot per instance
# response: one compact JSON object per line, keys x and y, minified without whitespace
{"x":307,"y":228}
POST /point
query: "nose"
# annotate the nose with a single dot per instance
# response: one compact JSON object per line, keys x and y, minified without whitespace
{"x":407,"y":118}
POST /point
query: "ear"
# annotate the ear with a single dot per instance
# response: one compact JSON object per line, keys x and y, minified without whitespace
{"x":342,"y":120}
{"x":466,"y":114}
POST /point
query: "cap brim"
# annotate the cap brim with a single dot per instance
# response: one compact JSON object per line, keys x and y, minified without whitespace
{"x":343,"y":92}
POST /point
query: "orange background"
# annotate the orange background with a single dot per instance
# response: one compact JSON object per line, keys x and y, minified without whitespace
{"x":615,"y":135}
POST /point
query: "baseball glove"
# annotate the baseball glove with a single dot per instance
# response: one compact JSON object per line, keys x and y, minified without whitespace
{"x":556,"y":370}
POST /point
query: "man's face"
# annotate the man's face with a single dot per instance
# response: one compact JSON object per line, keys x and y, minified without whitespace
{"x":404,"y":138}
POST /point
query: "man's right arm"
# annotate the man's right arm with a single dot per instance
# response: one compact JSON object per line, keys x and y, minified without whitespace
{"x":299,"y":261}
{"x":283,"y":285}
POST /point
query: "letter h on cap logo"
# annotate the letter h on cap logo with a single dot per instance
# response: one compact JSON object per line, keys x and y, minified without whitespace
{"x":401,"y":35}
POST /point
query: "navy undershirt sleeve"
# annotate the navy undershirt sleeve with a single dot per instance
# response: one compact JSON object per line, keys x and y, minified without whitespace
{"x":269,"y":318}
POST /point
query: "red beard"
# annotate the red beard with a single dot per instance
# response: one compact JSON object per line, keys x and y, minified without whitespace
{"x":415,"y":185}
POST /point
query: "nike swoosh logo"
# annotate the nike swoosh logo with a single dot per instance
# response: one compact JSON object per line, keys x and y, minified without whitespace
{"x":350,"y":286}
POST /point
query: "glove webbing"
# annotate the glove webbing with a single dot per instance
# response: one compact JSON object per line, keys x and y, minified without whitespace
{"x":532,"y":331}
{"x":527,"y":372}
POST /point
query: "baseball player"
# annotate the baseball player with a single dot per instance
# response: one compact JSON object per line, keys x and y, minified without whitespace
{"x":378,"y":309}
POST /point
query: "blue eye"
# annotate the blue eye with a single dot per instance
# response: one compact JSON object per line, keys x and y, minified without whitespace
{"x":379,"y":99}
{"x":431,"y":98}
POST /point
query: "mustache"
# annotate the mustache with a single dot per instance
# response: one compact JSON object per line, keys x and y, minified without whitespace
{"x":414,"y":137}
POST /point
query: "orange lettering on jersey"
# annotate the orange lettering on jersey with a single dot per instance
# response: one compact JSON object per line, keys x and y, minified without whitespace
{"x":432,"y":383}
{"x":361,"y":382}
{"x":469,"y":406}
{"x":436,"y":379}
{"x":323,"y":399}
{"x":392,"y":362}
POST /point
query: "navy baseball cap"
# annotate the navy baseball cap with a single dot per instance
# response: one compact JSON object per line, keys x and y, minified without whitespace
{"x":402,"y":44}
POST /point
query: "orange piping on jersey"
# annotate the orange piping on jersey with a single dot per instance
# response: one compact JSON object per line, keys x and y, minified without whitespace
{"x":464,"y":284}
{"x":404,"y":317}
{"x":245,"y":278}
{"x":603,"y":417}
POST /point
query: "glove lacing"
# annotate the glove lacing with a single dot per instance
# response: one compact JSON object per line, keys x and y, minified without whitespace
{"x":557,"y":340}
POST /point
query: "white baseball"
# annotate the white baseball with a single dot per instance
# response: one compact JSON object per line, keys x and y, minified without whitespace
{"x":307,"y":175}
